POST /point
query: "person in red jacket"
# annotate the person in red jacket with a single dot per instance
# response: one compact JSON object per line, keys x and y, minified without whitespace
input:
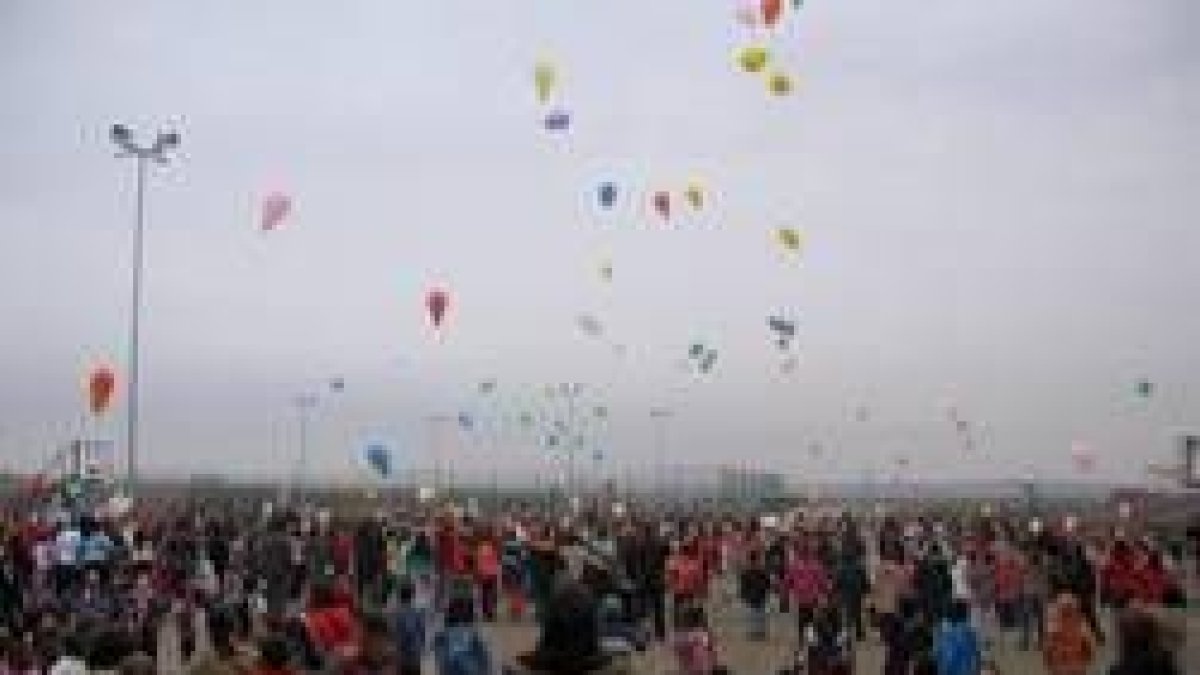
{"x":487,"y":575}
{"x":1118,"y":578}
{"x":1150,"y":580}
{"x":685,"y":576}
{"x":329,"y":625}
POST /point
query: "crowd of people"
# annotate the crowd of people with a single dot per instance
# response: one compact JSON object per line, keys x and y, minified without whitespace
{"x":399,"y":590}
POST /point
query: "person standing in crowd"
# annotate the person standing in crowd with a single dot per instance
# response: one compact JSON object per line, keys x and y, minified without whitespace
{"x":512,"y":574}
{"x":1140,"y":648}
{"x":375,"y":655}
{"x":908,"y":640}
{"x":369,"y":560}
{"x":487,"y":575}
{"x":568,"y":641}
{"x":410,"y":630}
{"x":933,"y":584}
{"x":226,"y":656}
{"x":685,"y":578}
{"x":645,"y":565}
{"x":775,"y":559}
{"x":330,"y":631}
{"x":1008,"y":582}
{"x":956,"y":645}
{"x":274,"y":561}
{"x":694,"y":645}
{"x":755,"y":590}
{"x":851,"y":585}
{"x":66,"y":558}
{"x":1069,"y":646}
{"x":892,"y":586}
{"x":807,"y":583}
{"x":459,"y":648}
{"x":830,"y":647}
{"x":274,"y":658}
{"x":1035,"y":592}
{"x":1074,"y":573}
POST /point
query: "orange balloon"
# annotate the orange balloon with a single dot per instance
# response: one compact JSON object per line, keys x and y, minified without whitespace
{"x":101,"y":385}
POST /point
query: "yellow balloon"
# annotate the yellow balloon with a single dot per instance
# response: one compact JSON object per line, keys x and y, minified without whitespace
{"x":790,"y":238}
{"x":780,"y":84}
{"x":694,"y":194}
{"x":545,"y":76}
{"x":753,"y":59}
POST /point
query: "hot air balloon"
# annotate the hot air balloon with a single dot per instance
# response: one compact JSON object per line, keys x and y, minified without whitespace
{"x":753,"y":59}
{"x":545,"y":77}
{"x":606,"y":271}
{"x":606,"y":194}
{"x":275,"y":207}
{"x":100,"y":387}
{"x":437,"y":301}
{"x":662,"y":203}
{"x":771,"y":10}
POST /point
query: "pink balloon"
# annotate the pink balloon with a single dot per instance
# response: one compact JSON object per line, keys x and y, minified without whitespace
{"x":275,"y":208}
{"x":436,"y":303}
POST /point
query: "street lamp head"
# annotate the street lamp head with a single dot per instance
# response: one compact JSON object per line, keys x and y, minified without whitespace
{"x":167,"y":141}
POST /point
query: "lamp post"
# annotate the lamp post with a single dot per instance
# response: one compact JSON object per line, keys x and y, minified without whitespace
{"x":304,"y":404}
{"x":661,"y":418}
{"x":156,"y":152}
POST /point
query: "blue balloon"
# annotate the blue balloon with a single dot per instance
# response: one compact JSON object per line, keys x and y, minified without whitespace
{"x":607,"y":193}
{"x":379,"y":458}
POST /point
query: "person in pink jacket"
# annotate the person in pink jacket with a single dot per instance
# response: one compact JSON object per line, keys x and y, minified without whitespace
{"x":807,"y":584}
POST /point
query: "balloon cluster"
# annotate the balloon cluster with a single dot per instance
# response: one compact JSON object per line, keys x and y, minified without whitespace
{"x":555,"y":118}
{"x":756,"y":59}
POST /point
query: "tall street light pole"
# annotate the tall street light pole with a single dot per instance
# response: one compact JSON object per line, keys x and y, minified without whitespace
{"x":156,"y":152}
{"x":661,"y":417}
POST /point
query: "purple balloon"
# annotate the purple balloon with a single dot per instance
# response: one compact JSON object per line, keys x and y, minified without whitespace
{"x":557,"y":120}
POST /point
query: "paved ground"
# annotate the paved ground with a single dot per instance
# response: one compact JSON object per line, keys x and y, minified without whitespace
{"x":755,"y":658}
{"x":749,"y":658}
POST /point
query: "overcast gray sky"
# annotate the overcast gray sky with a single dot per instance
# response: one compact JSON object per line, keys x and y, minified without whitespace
{"x":999,"y":201}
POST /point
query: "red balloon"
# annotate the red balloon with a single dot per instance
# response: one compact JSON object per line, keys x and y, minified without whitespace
{"x":436,"y":302}
{"x":101,"y":385}
{"x":771,"y":10}
{"x":662,"y":203}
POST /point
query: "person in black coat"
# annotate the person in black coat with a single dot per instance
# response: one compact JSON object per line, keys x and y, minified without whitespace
{"x":369,"y":560}
{"x":1141,"y":651}
{"x":933,"y":585}
{"x":645,"y":560}
{"x":754,"y":588}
